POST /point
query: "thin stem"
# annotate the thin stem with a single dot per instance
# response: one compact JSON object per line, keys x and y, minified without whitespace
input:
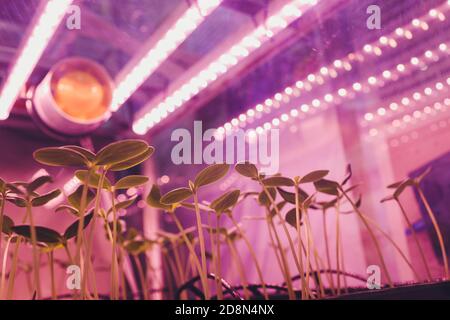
{"x":316,"y":259}
{"x":83,"y":204}
{"x":201,"y":240}
{"x":338,"y":248}
{"x":181,"y":274}
{"x":283,"y":224}
{"x":327,"y":246}
{"x":114,"y":276}
{"x":213,"y":257}
{"x":92,"y":230}
{"x":343,"y":268}
{"x":416,"y":239}
{"x":203,"y":276}
{"x":52,"y":274}
{"x":436,"y":229}
{"x":141,"y":276}
{"x":240,"y":268}
{"x":372,"y":235}
{"x":275,"y":249}
{"x":299,"y":240}
{"x":13,"y":271}
{"x":122,"y":274}
{"x":5,"y":258}
{"x":217,"y":257}
{"x":393,"y":243}
{"x":36,"y":270}
{"x":2,"y":209}
{"x":253,"y":256}
{"x":287,"y":273}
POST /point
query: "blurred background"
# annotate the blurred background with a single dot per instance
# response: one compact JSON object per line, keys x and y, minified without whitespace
{"x":339,"y":89}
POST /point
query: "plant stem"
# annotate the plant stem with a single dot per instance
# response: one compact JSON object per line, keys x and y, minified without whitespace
{"x":327,"y":246}
{"x":37,"y":284}
{"x":52,"y":274}
{"x":214,"y":258}
{"x":83,"y":204}
{"x":141,"y":276}
{"x":2,"y":209}
{"x":416,"y":239}
{"x":299,"y":240}
{"x":240,"y":268}
{"x":203,"y":276}
{"x":372,"y":235}
{"x":114,"y":275}
{"x":92,"y":230}
{"x":338,"y":248}
{"x":283,"y":224}
{"x":436,"y":229}
{"x":181,"y":273}
{"x":217,"y":257}
{"x":253,"y":256}
{"x":12,"y":273}
{"x":393,"y":243}
{"x":5,"y":258}
{"x":287,"y":273}
{"x":316,"y":258}
{"x":201,"y":240}
{"x":275,"y":249}
{"x":122,"y":275}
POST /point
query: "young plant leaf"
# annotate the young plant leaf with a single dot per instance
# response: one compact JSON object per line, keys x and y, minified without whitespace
{"x":395,"y":185}
{"x":2,"y":185}
{"x":278,"y":182}
{"x":247,"y":169}
{"x":38,"y":182}
{"x":130,"y":163}
{"x":89,"y":155}
{"x":43,"y":234}
{"x":264,"y":200}
{"x":94,"y":179}
{"x":42,"y":200}
{"x":123,"y":204}
{"x":280,"y":206}
{"x":72,"y":230}
{"x":419,"y":179}
{"x":327,"y":187}
{"x":226,"y":201}
{"x":19,"y":202}
{"x":75,"y":198}
{"x":210,"y":175}
{"x":348,"y":175}
{"x":130,"y":181}
{"x":154,"y":199}
{"x":7,"y":225}
{"x":14,"y":189}
{"x":291,"y":218}
{"x":176,"y":196}
{"x":399,"y":190}
{"x":137,"y":247}
{"x":290,"y":196}
{"x":314,"y":176}
{"x":60,"y":157}
{"x":120,"y":151}
{"x":70,"y":209}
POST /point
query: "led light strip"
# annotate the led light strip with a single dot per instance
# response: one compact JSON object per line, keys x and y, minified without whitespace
{"x":415,"y":118}
{"x":400,"y":105}
{"x":341,"y":94}
{"x":341,"y":65}
{"x":419,"y":113}
{"x":31,"y":52}
{"x":158,"y":110}
{"x":141,"y":68}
